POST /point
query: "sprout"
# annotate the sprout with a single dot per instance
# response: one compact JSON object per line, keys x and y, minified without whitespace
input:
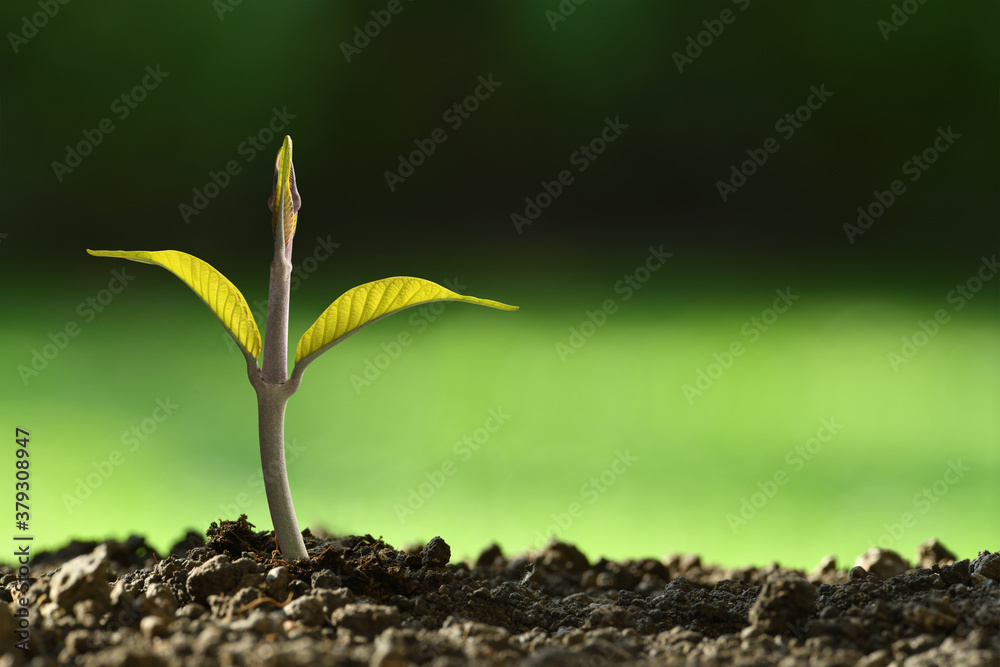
{"x":348,"y":314}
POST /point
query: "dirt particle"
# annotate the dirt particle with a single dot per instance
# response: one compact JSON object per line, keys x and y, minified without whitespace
{"x":563,"y":557}
{"x":212,"y":578}
{"x":988,"y":565}
{"x":436,"y":553}
{"x":783,"y":604}
{"x":882,"y":563}
{"x":307,"y":610}
{"x":366,"y":620}
{"x":933,"y":552}
{"x":83,"y":578}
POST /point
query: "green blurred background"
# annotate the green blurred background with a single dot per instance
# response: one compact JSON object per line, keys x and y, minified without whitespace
{"x":367,"y":454}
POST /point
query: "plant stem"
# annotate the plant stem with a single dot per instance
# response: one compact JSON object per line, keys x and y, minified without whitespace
{"x":275,"y":358}
{"x":271,"y":383}
{"x":271,"y":402}
{"x":273,"y":390}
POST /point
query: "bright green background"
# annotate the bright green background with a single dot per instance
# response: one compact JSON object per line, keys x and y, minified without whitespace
{"x":826,"y":357}
{"x":656,"y":185}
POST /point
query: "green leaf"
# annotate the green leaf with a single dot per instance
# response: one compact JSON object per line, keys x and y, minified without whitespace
{"x":215,"y":290}
{"x":359,"y":307}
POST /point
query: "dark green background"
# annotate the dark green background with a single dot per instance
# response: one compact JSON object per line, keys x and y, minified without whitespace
{"x":656,"y":184}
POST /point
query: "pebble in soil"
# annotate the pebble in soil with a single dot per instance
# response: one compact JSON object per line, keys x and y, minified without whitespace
{"x":233,"y":601}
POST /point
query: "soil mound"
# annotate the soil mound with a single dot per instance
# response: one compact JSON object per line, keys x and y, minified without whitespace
{"x":233,"y":601}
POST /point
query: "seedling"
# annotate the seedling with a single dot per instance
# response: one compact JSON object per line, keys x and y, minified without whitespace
{"x":348,"y":314}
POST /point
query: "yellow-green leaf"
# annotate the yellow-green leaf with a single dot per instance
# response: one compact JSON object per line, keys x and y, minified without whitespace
{"x":359,"y":307}
{"x":215,"y":290}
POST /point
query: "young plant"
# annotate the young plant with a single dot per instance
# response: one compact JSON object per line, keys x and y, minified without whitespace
{"x":348,"y":314}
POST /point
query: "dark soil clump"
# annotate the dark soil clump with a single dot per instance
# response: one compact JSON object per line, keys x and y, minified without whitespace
{"x":233,"y":601}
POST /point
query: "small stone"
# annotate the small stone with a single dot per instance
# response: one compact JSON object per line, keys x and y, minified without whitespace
{"x":826,"y":565}
{"x":988,"y":565}
{"x":160,"y":599}
{"x":245,"y":566}
{"x":562,"y":557}
{"x":394,"y":648}
{"x":882,"y":563}
{"x":214,"y":577}
{"x":208,"y":639}
{"x":325,"y":579}
{"x":120,"y":596}
{"x":933,"y":552}
{"x":277,"y":582}
{"x":191,"y":611}
{"x":307,"y":610}
{"x":958,"y":572}
{"x":258,"y":622}
{"x":277,"y":577}
{"x":367,"y":620}
{"x":333,"y":599}
{"x":83,"y":578}
{"x":857,"y":573}
{"x":153,"y":626}
{"x":783,"y":601}
{"x":605,"y":580}
{"x":490,"y":556}
{"x":436,"y":553}
{"x":611,"y":616}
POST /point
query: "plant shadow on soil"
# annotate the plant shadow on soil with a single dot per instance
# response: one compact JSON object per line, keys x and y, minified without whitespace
{"x":357,"y":600}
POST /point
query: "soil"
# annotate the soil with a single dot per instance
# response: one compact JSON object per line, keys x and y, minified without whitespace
{"x":233,"y":601}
